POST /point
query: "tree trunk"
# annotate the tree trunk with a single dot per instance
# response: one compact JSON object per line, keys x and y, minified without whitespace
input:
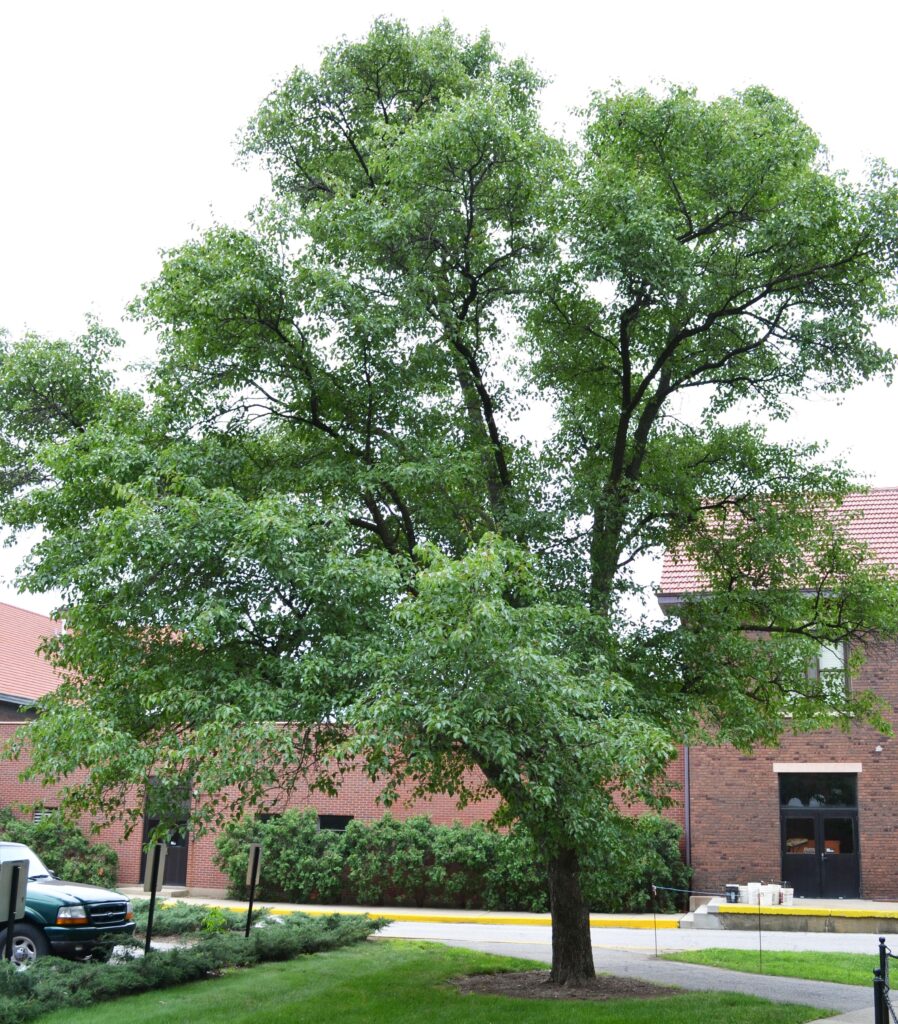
{"x":571,"y":947}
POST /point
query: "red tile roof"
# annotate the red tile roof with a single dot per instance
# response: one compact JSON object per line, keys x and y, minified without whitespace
{"x":24,"y":674}
{"x":876,"y":525}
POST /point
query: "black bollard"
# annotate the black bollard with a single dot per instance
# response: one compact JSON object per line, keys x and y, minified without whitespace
{"x":252,"y":878}
{"x":156,"y":858}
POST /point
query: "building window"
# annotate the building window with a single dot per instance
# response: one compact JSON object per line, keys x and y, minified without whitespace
{"x":40,"y":813}
{"x":828,"y":668}
{"x":334,"y":822}
{"x":805,"y":789}
{"x":838,"y":835}
{"x":799,"y":835}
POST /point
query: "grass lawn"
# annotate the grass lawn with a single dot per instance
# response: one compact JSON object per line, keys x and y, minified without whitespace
{"x":398,"y":982}
{"x":846,"y":968}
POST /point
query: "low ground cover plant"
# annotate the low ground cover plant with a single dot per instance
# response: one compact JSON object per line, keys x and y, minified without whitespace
{"x":179,"y":918}
{"x":51,"y":983}
{"x":417,"y":863}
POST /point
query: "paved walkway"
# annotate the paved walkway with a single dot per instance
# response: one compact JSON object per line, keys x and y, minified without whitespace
{"x":823,"y":995}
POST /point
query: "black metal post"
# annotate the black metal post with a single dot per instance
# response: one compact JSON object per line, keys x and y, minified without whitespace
{"x":154,"y":879}
{"x":11,"y":919}
{"x":878,"y":992}
{"x":760,"y":954}
{"x":655,"y":917}
{"x":255,"y":853}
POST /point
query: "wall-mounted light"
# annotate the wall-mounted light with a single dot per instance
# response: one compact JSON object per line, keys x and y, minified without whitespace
{"x":877,"y":749}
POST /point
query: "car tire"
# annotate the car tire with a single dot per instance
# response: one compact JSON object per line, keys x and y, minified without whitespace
{"x":28,"y":944}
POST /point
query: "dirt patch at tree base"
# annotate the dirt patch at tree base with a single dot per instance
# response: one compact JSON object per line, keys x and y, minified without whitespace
{"x":536,"y":985}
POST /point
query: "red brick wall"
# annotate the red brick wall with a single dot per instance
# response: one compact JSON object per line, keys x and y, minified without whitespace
{"x":676,"y":776}
{"x":735,"y":803}
{"x":358,"y":797}
{"x":735,"y":798}
{"x":14,"y":792}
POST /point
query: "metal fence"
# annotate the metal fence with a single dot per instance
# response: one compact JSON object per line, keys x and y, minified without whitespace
{"x":883,"y":1011}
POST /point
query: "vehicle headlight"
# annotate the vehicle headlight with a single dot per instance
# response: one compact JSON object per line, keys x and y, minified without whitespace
{"x":76,"y":914}
{"x":129,"y":911}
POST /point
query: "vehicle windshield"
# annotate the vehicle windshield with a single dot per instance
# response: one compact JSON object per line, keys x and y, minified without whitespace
{"x":36,"y":867}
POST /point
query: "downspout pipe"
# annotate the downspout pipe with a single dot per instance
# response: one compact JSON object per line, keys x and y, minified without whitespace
{"x":687,"y":808}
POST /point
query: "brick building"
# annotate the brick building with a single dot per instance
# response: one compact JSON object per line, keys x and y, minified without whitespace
{"x":25,"y":676}
{"x":820,"y":810}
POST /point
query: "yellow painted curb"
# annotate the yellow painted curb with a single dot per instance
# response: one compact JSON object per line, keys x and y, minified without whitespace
{"x":631,"y":922}
{"x":807,"y":912}
{"x":594,"y":922}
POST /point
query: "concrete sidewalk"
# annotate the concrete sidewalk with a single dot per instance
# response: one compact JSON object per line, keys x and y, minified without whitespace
{"x":857,"y":1017}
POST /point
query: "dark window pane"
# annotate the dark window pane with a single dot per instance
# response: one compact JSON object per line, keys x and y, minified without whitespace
{"x":799,"y":835}
{"x":805,"y":789}
{"x":838,"y":835}
{"x":334,"y":822}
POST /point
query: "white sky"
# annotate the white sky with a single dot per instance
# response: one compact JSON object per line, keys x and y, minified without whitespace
{"x":117,"y":122}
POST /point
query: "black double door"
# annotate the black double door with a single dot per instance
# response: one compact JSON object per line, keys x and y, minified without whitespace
{"x":820,"y":852}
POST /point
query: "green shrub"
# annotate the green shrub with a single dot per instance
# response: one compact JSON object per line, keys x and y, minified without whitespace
{"x":302,"y":861}
{"x":217,"y":921}
{"x":52,"y":983}
{"x":63,"y":848}
{"x":462,"y":857}
{"x":388,"y":861}
{"x":232,"y":854}
{"x":516,"y":879}
{"x":415,"y":862}
{"x":643,"y":851}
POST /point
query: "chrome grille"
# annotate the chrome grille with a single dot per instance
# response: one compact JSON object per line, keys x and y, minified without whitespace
{"x":107,"y":913}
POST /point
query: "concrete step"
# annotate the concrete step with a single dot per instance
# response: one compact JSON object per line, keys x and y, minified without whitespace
{"x":701,"y":917}
{"x":167,"y":892}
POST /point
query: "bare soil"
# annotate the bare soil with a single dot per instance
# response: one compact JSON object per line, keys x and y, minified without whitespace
{"x":536,"y":985}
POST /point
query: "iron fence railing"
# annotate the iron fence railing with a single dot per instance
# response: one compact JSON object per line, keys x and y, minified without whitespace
{"x":883,"y":1011}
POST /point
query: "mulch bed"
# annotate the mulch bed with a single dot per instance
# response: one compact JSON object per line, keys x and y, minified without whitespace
{"x":536,"y":985}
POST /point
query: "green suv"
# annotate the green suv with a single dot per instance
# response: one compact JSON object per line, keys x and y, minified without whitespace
{"x":64,"y":918}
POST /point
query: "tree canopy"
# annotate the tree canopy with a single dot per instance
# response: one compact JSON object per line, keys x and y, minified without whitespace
{"x":335,"y":505}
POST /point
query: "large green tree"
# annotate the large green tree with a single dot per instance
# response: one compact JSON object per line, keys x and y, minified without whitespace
{"x":332,"y":529}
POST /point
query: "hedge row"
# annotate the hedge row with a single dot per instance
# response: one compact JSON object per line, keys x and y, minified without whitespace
{"x":52,"y":983}
{"x":417,"y":863}
{"x":63,"y":848}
